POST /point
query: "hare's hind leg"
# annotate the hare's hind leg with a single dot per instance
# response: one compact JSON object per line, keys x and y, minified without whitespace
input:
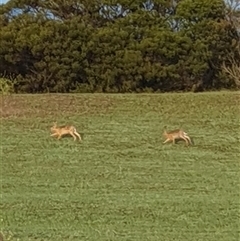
{"x":74,"y":137}
{"x":189,"y":140}
{"x":78,"y":135}
{"x":185,"y":139}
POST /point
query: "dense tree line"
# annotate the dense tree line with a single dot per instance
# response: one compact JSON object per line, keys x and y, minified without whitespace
{"x":117,"y":46}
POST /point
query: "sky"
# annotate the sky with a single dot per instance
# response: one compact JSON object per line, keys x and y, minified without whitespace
{"x":3,"y":1}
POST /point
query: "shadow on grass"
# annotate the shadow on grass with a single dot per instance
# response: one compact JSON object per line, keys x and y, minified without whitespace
{"x":68,"y":136}
{"x":181,"y":140}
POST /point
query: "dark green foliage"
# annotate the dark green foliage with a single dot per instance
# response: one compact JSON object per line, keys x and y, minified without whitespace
{"x":116,"y":46}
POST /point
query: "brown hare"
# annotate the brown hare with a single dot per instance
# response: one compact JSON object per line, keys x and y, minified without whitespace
{"x":176,"y":135}
{"x":59,"y":131}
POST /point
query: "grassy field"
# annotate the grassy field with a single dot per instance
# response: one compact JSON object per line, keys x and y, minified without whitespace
{"x":121,"y":183}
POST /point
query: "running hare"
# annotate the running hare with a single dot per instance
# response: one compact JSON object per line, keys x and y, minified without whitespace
{"x":176,"y":135}
{"x":59,"y":131}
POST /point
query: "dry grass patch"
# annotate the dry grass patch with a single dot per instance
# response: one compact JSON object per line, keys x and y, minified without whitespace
{"x":17,"y":106}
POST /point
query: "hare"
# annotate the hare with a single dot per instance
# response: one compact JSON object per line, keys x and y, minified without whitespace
{"x":176,"y":135}
{"x":60,"y":131}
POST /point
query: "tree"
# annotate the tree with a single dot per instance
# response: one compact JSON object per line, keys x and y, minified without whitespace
{"x":205,"y":22}
{"x":44,"y":54}
{"x":117,"y":46}
{"x":231,"y":63}
{"x":232,"y":67}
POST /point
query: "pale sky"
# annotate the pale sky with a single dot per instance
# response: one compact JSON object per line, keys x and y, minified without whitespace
{"x":3,"y":1}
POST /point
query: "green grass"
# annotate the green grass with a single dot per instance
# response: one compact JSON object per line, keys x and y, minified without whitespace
{"x":121,"y":183}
